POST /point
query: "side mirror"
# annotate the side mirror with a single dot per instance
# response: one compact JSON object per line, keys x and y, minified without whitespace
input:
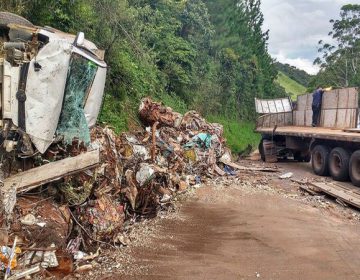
{"x":79,"y":40}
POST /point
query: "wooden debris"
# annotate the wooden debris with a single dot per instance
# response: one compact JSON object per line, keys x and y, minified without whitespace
{"x":244,"y":168}
{"x":308,"y":189}
{"x":30,"y":179}
{"x":305,"y":186}
{"x":355,"y":130}
{"x":345,"y":194}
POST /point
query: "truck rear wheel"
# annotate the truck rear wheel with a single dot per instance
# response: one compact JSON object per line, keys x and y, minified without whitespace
{"x":354,"y":168}
{"x":319,"y":160}
{"x":339,"y":164}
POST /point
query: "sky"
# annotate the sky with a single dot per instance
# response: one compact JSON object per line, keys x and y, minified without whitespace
{"x":296,"y":26}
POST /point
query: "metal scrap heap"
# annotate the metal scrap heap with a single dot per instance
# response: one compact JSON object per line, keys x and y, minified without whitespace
{"x":140,"y":173}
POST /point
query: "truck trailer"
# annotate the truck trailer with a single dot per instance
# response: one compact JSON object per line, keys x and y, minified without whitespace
{"x":333,"y":147}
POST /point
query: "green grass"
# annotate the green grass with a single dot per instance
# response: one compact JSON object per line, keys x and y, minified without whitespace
{"x":291,"y":87}
{"x":238,"y":134}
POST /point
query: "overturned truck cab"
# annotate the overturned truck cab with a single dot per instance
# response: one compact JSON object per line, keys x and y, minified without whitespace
{"x":52,"y":86}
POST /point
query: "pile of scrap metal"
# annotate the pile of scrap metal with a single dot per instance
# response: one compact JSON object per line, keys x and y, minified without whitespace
{"x":139,"y":174}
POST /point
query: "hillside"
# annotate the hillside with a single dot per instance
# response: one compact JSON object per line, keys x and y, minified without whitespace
{"x":204,"y":55}
{"x":292,"y":87}
{"x":298,"y":75}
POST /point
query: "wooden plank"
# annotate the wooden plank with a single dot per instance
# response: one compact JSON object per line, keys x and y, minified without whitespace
{"x":301,"y":102}
{"x":339,"y":118}
{"x":308,"y":117}
{"x":328,"y":118}
{"x":299,"y":118}
{"x":348,"y":98}
{"x":330,"y":100}
{"x":309,"y":99}
{"x":53,"y":171}
{"x":244,"y":168}
{"x":342,"y":193}
{"x":308,"y":189}
{"x":356,"y":130}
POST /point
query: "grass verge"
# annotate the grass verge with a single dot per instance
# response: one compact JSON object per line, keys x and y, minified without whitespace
{"x":239,"y":134}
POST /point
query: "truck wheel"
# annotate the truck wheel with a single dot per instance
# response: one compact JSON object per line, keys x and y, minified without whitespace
{"x":354,"y":168}
{"x":339,"y":164}
{"x":319,"y":160}
{"x":7,"y":18}
{"x":261,"y":150}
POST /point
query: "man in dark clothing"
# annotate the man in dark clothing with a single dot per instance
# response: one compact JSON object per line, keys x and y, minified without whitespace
{"x":316,"y":105}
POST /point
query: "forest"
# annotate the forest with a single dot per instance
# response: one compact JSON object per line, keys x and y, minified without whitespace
{"x":339,"y":56}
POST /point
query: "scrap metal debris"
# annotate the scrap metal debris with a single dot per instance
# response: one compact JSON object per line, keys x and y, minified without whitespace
{"x":60,"y":224}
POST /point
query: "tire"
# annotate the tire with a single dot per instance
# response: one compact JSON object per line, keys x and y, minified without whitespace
{"x":261,"y":150}
{"x":7,"y":18}
{"x":320,"y":159}
{"x":339,"y":164}
{"x":354,"y":168}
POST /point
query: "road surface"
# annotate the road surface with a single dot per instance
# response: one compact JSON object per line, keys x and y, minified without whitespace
{"x":242,"y":232}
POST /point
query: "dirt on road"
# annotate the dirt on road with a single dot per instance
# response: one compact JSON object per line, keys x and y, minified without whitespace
{"x":253,"y":227}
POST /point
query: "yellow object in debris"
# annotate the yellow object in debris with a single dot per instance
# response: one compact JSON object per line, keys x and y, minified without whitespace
{"x":5,"y":255}
{"x":127,"y":151}
{"x":328,"y":88}
{"x":190,"y":154}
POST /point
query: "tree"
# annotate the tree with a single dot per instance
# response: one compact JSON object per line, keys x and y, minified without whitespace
{"x":340,"y":62}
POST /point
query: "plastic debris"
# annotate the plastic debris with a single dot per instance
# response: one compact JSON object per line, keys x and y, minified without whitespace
{"x":286,"y":175}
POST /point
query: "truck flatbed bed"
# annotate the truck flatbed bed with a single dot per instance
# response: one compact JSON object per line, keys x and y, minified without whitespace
{"x":313,"y":132}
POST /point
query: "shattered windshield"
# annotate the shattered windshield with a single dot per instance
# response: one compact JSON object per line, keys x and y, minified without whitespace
{"x":72,"y":123}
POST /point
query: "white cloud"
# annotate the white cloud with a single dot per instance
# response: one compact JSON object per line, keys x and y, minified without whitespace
{"x":301,"y":63}
{"x":296,"y":26}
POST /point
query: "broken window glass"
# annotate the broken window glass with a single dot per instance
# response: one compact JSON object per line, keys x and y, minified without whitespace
{"x":72,"y":123}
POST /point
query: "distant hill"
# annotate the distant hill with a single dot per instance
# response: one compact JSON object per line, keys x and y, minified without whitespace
{"x":294,"y":73}
{"x":292,"y":87}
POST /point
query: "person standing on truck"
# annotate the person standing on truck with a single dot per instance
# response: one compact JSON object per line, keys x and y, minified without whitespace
{"x":316,"y":105}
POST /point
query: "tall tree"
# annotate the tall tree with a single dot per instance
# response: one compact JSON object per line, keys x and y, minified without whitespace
{"x":340,"y":62}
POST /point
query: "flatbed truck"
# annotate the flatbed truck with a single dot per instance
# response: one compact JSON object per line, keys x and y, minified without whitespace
{"x":333,"y":147}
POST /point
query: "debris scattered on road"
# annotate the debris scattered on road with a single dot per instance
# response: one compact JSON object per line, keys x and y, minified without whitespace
{"x":63,"y":213}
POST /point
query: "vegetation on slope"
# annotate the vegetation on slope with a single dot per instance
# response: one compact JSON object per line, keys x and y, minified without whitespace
{"x":292,"y":88}
{"x":298,"y":75}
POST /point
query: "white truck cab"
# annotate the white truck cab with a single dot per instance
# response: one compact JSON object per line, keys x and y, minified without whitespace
{"x":51,"y":85}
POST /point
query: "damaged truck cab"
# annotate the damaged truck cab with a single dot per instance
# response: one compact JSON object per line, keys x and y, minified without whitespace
{"x":51,"y":87}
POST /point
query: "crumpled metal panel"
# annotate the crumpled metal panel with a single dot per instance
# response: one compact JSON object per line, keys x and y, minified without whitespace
{"x":45,"y":92}
{"x":270,"y":106}
{"x":10,"y":86}
{"x":95,"y":97}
